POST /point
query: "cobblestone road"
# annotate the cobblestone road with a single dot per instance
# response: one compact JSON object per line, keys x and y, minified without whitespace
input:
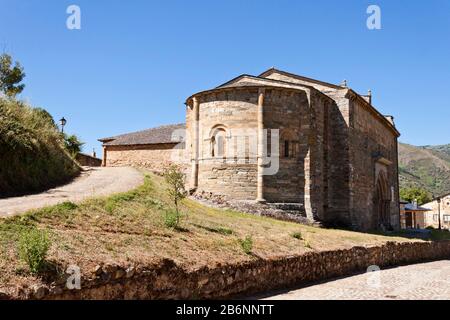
{"x":420,"y":281}
{"x":92,"y":182}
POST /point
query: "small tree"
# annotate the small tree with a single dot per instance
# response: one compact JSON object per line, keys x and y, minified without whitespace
{"x":175,"y":180}
{"x":10,"y":76}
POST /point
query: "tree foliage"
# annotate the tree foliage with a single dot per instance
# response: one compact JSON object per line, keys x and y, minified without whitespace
{"x":175,"y":179}
{"x":11,"y":76}
{"x":73,"y":144}
{"x":410,"y":194}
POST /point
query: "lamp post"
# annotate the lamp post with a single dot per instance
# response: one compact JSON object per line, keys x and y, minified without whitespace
{"x":439,"y":211}
{"x":63,"y":122}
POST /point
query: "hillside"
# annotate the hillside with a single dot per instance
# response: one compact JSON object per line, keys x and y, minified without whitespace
{"x":32,"y":156}
{"x":427,"y":167}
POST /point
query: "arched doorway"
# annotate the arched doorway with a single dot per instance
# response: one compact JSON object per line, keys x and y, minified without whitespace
{"x":381,"y":202}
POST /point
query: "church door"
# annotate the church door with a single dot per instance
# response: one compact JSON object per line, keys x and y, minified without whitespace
{"x":381,"y":202}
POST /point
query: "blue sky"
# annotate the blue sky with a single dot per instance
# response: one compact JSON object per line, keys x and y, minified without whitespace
{"x":133,"y":64}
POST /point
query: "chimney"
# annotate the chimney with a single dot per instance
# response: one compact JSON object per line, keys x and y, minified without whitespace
{"x":390,"y":119}
{"x":369,"y":95}
{"x":414,"y":203}
{"x":93,"y":153}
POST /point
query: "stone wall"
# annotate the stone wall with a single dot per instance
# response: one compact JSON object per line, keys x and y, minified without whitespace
{"x":370,"y":140}
{"x":232,"y":174}
{"x":88,"y":161}
{"x":155,"y":157}
{"x":289,"y":112}
{"x":167,"y":280}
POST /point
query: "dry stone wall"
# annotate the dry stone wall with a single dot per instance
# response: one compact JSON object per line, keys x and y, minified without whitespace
{"x":167,"y":280}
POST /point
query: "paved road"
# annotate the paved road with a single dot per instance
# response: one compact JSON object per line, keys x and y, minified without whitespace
{"x":92,"y":182}
{"x":419,"y":282}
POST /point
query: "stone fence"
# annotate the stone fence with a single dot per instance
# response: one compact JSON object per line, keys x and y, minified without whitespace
{"x":166,"y":280}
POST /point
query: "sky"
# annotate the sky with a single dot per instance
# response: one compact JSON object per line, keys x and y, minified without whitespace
{"x":133,"y":63}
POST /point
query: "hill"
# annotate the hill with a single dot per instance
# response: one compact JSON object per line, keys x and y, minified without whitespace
{"x":427,"y":167}
{"x":32,"y":156}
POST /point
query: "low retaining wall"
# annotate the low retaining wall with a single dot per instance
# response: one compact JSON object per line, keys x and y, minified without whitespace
{"x":166,"y":280}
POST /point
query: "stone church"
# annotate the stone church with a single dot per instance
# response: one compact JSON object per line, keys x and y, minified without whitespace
{"x":280,"y":138}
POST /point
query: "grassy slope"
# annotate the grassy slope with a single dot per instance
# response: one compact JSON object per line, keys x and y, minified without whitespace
{"x":31,"y":154}
{"x":129,"y":229}
{"x":426,"y":167}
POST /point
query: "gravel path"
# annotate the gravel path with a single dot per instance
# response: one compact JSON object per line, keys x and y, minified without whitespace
{"x":97,"y":181}
{"x":426,"y":281}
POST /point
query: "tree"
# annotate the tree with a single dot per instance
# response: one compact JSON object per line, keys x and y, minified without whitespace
{"x":415,"y":193}
{"x":10,"y":76}
{"x":73,"y":144}
{"x":175,"y":179}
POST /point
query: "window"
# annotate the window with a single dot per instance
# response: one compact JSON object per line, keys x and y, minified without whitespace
{"x":218,"y":143}
{"x":289,"y":144}
{"x":290,"y":149}
{"x":446,"y":218}
{"x":286,"y":149}
{"x":435,"y":217}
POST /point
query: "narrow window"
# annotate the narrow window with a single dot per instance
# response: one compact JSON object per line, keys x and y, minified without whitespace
{"x":213,"y":146}
{"x":286,"y":148}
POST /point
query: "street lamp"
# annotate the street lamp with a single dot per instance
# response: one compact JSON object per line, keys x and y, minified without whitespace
{"x":439,"y":211}
{"x":63,"y":122}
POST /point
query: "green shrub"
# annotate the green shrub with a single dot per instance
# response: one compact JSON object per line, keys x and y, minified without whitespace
{"x":297,"y":235}
{"x":33,"y":248}
{"x":171,"y":219}
{"x":247,"y":244}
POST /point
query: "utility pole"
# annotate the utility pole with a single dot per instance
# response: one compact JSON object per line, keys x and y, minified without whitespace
{"x":438,"y":199}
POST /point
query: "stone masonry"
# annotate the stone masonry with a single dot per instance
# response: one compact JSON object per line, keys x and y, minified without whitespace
{"x":281,"y":138}
{"x":336,"y":155}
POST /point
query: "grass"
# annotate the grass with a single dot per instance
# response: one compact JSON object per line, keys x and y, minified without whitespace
{"x":129,"y":228}
{"x":247,"y":244}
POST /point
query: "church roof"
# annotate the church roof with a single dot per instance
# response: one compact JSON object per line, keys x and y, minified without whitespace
{"x":296,"y":76}
{"x":158,"y":135}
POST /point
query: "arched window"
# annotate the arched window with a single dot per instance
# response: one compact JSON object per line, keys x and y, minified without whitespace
{"x":289,"y":146}
{"x":218,"y":143}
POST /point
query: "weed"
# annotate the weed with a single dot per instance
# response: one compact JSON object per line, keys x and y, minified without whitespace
{"x":247,"y":244}
{"x":33,"y":248}
{"x":297,"y":235}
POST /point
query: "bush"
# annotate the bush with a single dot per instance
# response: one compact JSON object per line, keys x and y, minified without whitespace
{"x":33,"y":248}
{"x":171,"y":219}
{"x":297,"y":235}
{"x":33,"y":149}
{"x":247,"y":244}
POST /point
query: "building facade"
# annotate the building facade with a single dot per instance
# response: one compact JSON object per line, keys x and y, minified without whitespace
{"x":284,"y":138}
{"x":438,"y":209}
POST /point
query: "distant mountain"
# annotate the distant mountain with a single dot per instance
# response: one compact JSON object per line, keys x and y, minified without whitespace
{"x":427,"y":167}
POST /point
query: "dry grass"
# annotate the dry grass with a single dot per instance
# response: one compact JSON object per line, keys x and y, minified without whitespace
{"x":129,"y":228}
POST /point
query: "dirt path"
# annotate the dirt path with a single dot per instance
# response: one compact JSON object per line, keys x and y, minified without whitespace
{"x":426,"y":281}
{"x":91,"y":182}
